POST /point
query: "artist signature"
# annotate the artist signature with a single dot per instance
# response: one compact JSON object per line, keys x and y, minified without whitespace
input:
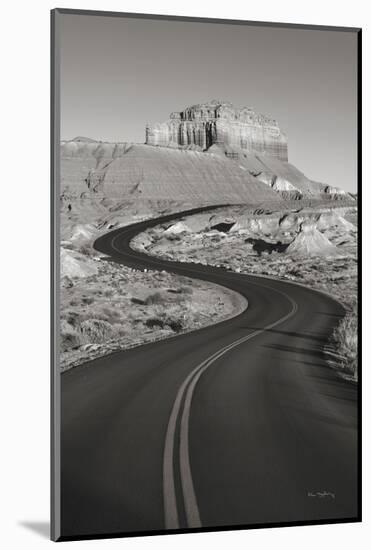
{"x":321,"y":494}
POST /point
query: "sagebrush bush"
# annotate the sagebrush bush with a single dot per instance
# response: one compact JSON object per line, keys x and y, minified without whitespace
{"x":345,"y":339}
{"x":110,"y":314}
{"x":155,"y":298}
{"x":176,"y":325}
{"x":87,"y":250}
{"x":70,"y":337}
{"x":97,"y":331}
{"x":187,"y":290}
{"x":88,"y":300}
{"x":154,"y":322}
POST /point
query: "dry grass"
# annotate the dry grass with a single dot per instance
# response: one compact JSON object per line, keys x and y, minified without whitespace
{"x":118,"y":308}
{"x":345,"y":340}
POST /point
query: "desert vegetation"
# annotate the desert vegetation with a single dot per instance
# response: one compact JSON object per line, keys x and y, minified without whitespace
{"x":106,"y":306}
{"x":345,"y":342}
{"x":118,"y":308}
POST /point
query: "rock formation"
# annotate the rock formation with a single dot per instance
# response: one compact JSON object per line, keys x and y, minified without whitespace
{"x":211,"y":152}
{"x":176,"y":228}
{"x":217,"y":122}
{"x":311,"y":242}
{"x":74,"y":264}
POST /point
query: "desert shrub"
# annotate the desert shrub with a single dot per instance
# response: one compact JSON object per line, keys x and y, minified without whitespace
{"x":94,"y":278}
{"x":108,"y":314}
{"x":179,"y":299}
{"x":96,"y":331}
{"x":295,"y":273}
{"x":71,"y":317}
{"x":345,"y":339}
{"x":87,"y":250}
{"x":187,"y":290}
{"x":108,"y":293}
{"x":69,"y":337}
{"x":66,"y":282}
{"x":122,"y":330}
{"x":196,"y":317}
{"x":154,"y":322}
{"x":176,"y":325}
{"x":88,"y":300}
{"x":155,"y":298}
{"x":111,"y":312}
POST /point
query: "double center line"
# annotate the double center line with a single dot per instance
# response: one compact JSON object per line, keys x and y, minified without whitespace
{"x":180,"y":416}
{"x":186,"y":391}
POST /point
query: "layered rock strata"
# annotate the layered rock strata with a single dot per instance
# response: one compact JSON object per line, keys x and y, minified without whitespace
{"x":201,"y":126}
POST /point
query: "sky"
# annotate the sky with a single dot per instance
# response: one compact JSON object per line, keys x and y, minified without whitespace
{"x":119,"y":74}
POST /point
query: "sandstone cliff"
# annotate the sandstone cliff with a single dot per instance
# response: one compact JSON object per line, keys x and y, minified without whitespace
{"x":219,"y":122}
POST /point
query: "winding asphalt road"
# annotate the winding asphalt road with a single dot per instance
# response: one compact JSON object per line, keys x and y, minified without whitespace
{"x":240,"y":423}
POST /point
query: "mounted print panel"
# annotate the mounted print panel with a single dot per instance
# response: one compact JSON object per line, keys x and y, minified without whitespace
{"x":205,"y":193}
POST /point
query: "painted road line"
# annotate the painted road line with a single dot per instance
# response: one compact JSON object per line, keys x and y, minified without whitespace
{"x":189,"y":495}
{"x":187,"y":388}
{"x":170,"y":504}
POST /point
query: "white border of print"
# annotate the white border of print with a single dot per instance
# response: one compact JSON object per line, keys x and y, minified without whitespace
{"x":25,"y":270}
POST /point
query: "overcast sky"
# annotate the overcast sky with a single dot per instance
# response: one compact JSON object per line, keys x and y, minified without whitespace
{"x":118,"y":74}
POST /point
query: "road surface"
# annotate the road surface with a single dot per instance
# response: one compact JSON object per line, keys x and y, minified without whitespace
{"x":240,"y":423}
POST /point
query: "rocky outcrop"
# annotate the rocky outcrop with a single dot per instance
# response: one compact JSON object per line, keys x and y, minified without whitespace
{"x":176,"y":228}
{"x":219,"y":122}
{"x":311,"y":242}
{"x":265,"y":225}
{"x":334,"y":220}
{"x":293,"y":223}
{"x":74,"y":264}
{"x":335,"y":193}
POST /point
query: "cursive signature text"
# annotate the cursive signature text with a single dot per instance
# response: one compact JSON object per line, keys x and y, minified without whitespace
{"x":321,"y":494}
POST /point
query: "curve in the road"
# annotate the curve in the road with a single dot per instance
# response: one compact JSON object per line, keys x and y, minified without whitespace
{"x":200,"y":438}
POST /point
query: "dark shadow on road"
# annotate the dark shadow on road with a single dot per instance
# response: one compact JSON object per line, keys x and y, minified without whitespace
{"x":303,"y":335}
{"x":336,"y":315}
{"x":302,"y":351}
{"x":330,"y":383}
